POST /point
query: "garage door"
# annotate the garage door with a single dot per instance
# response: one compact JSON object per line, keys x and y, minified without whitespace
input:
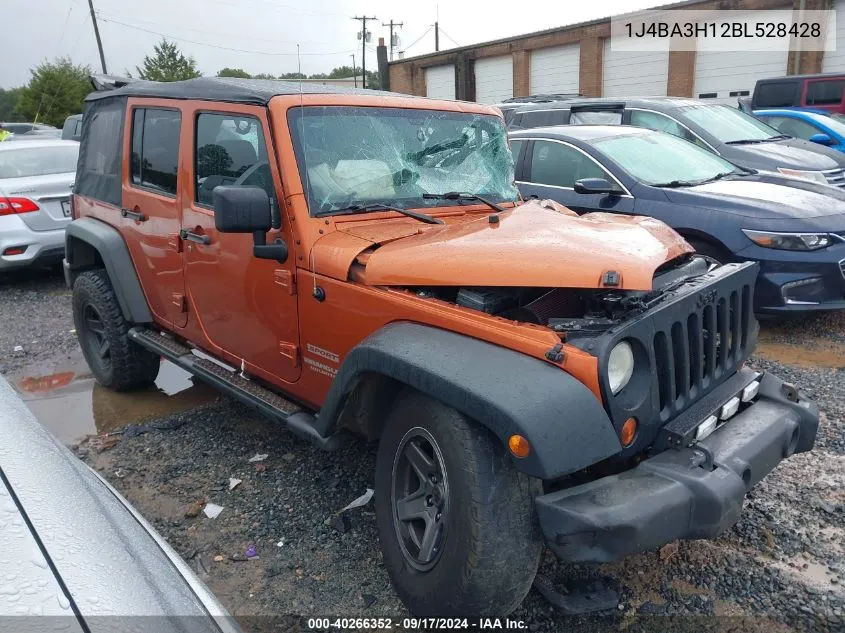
{"x":834,"y":61}
{"x":493,"y":79}
{"x":555,"y":69}
{"x":440,"y":82}
{"x":634,"y":73}
{"x":723,"y":76}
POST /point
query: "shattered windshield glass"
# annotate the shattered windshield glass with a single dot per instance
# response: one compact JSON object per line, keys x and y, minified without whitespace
{"x":359,"y":156}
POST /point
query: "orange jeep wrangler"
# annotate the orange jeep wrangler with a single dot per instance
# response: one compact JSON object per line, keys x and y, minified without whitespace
{"x":354,"y":260}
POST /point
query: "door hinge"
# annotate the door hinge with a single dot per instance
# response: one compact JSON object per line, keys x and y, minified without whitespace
{"x":180,"y":301}
{"x":285,"y":279}
{"x":174,"y":241}
{"x":289,"y":351}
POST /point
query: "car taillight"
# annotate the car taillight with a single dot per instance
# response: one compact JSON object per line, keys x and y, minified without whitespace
{"x":9,"y":206}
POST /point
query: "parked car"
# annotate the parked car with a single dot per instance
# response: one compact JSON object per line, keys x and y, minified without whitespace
{"x":27,"y":128}
{"x":805,"y":91}
{"x":510,"y":106}
{"x":794,"y":231}
{"x":369,"y":259}
{"x":816,"y":126}
{"x":74,"y":547}
{"x":36,"y":177}
{"x":72,"y":129}
{"x":726,"y":131}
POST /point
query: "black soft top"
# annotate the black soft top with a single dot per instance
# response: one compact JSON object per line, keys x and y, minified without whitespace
{"x":227,"y":89}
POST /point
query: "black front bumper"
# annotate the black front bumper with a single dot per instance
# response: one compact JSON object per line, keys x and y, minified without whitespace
{"x":688,"y":493}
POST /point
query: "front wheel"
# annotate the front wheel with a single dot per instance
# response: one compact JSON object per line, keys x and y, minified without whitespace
{"x":456,"y":520}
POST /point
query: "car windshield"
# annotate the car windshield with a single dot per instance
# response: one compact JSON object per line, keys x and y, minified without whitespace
{"x":38,"y":161}
{"x":355,"y":156}
{"x":729,"y":125}
{"x":833,"y":123}
{"x":836,"y":116}
{"x":670,"y":158}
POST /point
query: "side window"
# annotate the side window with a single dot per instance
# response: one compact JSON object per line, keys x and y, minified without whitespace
{"x":825,"y":92}
{"x":793,"y":127}
{"x":560,"y":165}
{"x":534,"y":118}
{"x":155,"y":149}
{"x":517,"y":145}
{"x":230,"y":150}
{"x":775,"y":94}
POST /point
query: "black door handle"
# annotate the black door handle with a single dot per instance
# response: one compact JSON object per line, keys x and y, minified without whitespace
{"x":135,"y":215}
{"x":185,"y":234}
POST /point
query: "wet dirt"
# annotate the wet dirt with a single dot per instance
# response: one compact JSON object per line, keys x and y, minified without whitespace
{"x":831,"y":354}
{"x":67,"y":400}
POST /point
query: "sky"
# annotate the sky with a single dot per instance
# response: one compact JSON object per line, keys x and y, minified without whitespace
{"x":261,"y":36}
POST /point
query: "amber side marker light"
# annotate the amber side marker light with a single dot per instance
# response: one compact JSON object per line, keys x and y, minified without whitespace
{"x":629,"y":432}
{"x":519,"y":446}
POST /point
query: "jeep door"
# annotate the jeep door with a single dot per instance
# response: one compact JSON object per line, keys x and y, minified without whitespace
{"x":243,"y":308}
{"x":150,"y":217}
{"x":549,"y":169}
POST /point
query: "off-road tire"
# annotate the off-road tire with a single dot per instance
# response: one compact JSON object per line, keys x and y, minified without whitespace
{"x":492,"y":546}
{"x":125,"y":365}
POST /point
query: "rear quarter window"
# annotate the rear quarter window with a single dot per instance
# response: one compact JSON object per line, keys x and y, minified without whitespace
{"x":776,"y":94}
{"x":826,"y":92}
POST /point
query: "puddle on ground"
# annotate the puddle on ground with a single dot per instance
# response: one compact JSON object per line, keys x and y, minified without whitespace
{"x":67,"y":400}
{"x":832,"y":355}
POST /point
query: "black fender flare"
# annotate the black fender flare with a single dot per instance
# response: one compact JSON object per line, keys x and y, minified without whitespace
{"x":506,"y":391}
{"x":87,"y":239}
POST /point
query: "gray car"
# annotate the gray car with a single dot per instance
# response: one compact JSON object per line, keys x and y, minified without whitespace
{"x":36,"y":177}
{"x":76,"y":556}
{"x":724,"y":130}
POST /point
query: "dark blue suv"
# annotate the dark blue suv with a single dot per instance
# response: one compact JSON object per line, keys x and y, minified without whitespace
{"x":794,"y":228}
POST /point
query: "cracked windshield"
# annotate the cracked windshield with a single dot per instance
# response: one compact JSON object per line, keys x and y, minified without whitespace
{"x":362,"y":156}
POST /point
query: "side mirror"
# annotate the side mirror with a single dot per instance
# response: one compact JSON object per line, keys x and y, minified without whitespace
{"x":247,"y":210}
{"x":821,"y":139}
{"x":595,"y":185}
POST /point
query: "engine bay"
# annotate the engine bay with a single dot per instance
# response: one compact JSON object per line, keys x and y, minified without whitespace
{"x":575,"y":311}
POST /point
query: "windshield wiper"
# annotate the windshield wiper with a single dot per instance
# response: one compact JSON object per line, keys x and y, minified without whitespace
{"x":751,"y":141}
{"x":674,"y":184}
{"x":377,"y":206}
{"x":457,"y":195}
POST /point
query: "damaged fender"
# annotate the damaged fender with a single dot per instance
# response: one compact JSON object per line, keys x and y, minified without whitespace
{"x":506,"y":391}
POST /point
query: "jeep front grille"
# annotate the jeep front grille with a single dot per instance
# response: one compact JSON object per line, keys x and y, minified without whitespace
{"x":698,"y":349}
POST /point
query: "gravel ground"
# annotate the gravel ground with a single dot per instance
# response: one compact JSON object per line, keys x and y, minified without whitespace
{"x":782,"y":567}
{"x":35,"y":313}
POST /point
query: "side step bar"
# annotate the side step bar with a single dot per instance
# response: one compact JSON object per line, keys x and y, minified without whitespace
{"x":251,"y":394}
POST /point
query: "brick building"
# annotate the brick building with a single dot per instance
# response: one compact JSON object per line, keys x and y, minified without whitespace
{"x":578,"y":58}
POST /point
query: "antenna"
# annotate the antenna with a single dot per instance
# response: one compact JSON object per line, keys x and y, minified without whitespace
{"x":307,"y":192}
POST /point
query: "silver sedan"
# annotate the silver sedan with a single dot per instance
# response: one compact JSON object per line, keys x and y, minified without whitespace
{"x":36,"y":177}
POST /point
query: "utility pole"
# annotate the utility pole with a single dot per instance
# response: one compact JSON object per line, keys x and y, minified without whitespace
{"x":437,"y":28}
{"x":354,"y":72}
{"x":97,"y":35}
{"x":363,"y":20}
{"x":391,"y":24}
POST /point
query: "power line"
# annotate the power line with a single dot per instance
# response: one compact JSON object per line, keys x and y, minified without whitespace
{"x":416,"y":41}
{"x":225,"y":48}
{"x":451,"y":39}
{"x":363,"y":19}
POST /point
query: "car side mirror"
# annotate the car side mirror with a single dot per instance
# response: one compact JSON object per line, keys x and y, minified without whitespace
{"x":821,"y":139}
{"x":595,"y":185}
{"x":247,"y":210}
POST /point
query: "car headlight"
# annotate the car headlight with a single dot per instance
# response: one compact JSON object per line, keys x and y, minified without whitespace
{"x":789,"y":241}
{"x":815,"y":176}
{"x":620,"y":366}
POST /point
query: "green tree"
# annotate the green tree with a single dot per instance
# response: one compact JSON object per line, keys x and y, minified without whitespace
{"x":293,"y":76}
{"x":55,"y":91}
{"x":344,"y":71}
{"x":263,"y":76}
{"x":167,"y":64}
{"x":234,"y":72}
{"x":9,"y":103}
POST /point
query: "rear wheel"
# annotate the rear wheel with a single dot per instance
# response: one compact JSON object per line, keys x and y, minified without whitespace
{"x":456,"y":519}
{"x":115,"y":361}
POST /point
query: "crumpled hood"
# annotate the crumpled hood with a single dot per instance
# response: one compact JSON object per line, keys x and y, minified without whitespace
{"x":539,"y":244}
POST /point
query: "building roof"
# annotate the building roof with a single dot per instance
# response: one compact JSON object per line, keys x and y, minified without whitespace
{"x":227,"y":89}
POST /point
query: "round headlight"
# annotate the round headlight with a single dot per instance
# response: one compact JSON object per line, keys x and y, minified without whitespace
{"x":620,"y":367}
